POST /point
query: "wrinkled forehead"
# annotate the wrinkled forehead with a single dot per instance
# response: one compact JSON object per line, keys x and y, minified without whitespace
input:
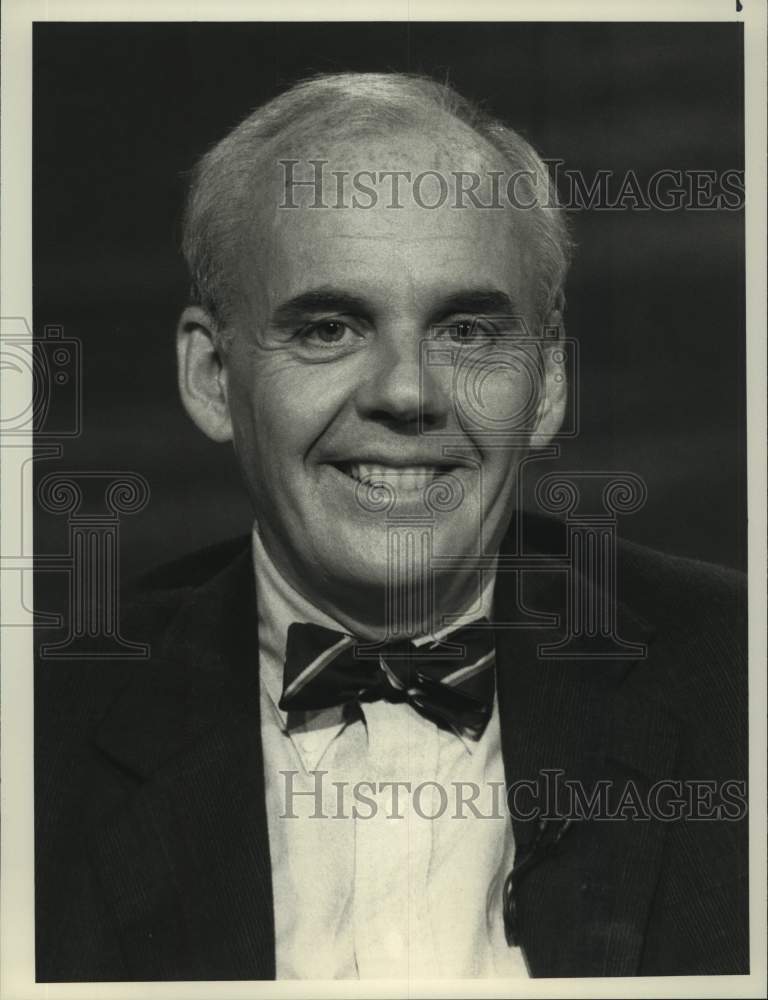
{"x":401,"y":166}
{"x":370,"y":202}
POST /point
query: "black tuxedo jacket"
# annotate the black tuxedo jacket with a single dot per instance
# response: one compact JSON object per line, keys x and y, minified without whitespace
{"x":152,"y":854}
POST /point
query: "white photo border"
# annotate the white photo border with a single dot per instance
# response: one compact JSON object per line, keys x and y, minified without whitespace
{"x":17,"y":849}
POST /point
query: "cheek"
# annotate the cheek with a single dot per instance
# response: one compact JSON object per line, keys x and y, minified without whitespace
{"x":497,"y":393}
{"x":282,"y":410}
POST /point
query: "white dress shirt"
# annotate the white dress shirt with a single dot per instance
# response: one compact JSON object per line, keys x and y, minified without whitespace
{"x":372,"y":880}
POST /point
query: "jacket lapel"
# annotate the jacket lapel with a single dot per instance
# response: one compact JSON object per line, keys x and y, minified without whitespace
{"x":581,"y":910}
{"x":184,"y":859}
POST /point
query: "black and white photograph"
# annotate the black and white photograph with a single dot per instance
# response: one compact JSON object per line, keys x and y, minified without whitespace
{"x":388,"y":569}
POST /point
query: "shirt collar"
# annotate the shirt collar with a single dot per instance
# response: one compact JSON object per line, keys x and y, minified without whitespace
{"x":279,"y":604}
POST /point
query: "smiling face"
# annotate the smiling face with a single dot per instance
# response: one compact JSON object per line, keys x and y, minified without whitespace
{"x":371,"y":375}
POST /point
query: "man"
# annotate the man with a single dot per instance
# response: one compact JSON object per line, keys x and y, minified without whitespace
{"x":377,"y":269}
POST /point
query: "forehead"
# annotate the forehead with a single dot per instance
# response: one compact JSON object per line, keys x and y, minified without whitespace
{"x":415,"y":235}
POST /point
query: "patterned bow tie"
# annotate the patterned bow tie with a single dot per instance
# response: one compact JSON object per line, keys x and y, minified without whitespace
{"x":450,"y":681}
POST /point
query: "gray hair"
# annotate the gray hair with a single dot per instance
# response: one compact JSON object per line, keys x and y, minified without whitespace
{"x":347,"y":104}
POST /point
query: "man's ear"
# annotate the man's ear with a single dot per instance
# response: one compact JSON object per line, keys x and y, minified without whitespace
{"x":555,"y":395}
{"x":202,"y":374}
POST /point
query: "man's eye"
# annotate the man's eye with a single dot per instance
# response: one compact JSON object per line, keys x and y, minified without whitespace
{"x":463,"y":330}
{"x":328,"y":333}
{"x":473,"y":330}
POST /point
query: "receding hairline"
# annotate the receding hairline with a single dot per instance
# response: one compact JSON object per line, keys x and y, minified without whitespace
{"x":346,"y":106}
{"x":261,"y":220}
{"x":471,"y":152}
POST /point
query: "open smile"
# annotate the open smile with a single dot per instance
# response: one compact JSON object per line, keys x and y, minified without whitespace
{"x":402,"y":478}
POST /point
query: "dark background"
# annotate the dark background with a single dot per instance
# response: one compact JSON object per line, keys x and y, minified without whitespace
{"x":121,"y":111}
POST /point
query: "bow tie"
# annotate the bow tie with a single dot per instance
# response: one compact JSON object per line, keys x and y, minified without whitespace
{"x":450,"y":680}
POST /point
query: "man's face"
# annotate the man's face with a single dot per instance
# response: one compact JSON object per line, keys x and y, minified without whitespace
{"x":359,"y":360}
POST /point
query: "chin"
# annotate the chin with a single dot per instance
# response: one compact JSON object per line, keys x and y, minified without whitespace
{"x":397,"y":555}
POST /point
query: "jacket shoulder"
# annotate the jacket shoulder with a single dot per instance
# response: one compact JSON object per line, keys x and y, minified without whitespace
{"x":677,"y":591}
{"x":153,"y":598}
{"x":191,"y":569}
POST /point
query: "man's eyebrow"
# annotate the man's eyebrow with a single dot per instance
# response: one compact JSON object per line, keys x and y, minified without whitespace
{"x":318,"y":300}
{"x":476,"y":302}
{"x":472,"y":301}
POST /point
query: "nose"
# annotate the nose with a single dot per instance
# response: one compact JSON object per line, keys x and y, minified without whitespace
{"x":402,"y":388}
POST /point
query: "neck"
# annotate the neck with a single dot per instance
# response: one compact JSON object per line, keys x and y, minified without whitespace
{"x":397,"y":610}
{"x":405,"y":611}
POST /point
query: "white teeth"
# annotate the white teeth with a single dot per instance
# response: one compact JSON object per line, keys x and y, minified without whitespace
{"x":410,"y":477}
